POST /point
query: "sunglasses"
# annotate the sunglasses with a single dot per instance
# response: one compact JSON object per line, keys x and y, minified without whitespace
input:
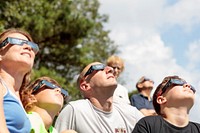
{"x":17,"y":41}
{"x":49,"y":85}
{"x":145,"y":79}
{"x":94,"y":68}
{"x":175,"y":82}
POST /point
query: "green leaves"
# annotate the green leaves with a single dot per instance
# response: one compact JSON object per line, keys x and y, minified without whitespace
{"x":70,"y":35}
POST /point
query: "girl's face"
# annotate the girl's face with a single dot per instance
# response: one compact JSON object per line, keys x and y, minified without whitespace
{"x":49,"y":98}
{"x":20,"y":57}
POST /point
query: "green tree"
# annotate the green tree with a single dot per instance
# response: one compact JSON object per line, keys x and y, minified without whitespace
{"x":132,"y":93}
{"x":70,"y":34}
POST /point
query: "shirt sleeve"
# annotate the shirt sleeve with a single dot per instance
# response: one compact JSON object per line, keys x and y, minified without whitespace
{"x":65,"y":119}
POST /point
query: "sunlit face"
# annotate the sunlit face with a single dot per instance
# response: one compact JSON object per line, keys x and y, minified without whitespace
{"x":117,"y":68}
{"x":180,"y":95}
{"x":148,"y":84}
{"x":22,"y":57}
{"x":49,"y":98}
{"x":102,"y":80}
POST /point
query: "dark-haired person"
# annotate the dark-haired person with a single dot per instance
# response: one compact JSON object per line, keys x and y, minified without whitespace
{"x":17,"y":54}
{"x":43,"y":99}
{"x":142,"y":101}
{"x":97,"y":113}
{"x":172,"y":100}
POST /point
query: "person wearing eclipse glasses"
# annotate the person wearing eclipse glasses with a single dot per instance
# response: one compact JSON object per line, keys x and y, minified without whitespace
{"x":42,"y":100}
{"x":121,"y":93}
{"x":142,"y":101}
{"x":97,"y":113}
{"x":172,"y":100}
{"x":17,"y":54}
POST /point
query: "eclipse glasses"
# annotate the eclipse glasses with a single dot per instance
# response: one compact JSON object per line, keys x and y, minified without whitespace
{"x":94,"y":68}
{"x":17,"y":41}
{"x":50,"y":86}
{"x":175,"y":82}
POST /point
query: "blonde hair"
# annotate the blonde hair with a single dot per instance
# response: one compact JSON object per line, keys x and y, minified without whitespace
{"x":115,"y":60}
{"x":81,"y":75}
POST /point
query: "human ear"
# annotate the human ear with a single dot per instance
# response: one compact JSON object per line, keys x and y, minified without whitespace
{"x":30,"y":102}
{"x":84,"y":86}
{"x":161,"y":100}
{"x":140,"y":85}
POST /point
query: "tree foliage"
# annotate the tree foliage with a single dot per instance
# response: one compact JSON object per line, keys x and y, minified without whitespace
{"x":70,"y":34}
{"x":132,"y":93}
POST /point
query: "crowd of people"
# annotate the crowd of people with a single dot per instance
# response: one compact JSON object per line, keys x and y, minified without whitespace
{"x":32,"y":107}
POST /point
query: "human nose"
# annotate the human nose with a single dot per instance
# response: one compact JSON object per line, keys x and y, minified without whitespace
{"x":109,"y":69}
{"x":28,"y":47}
{"x":187,"y":85}
{"x":58,"y":90}
{"x":190,"y":87}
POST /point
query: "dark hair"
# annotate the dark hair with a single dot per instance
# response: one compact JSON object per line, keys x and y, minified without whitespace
{"x":158,"y":92}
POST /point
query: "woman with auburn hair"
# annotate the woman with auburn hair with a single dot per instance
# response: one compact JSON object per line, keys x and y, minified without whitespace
{"x":43,"y":99}
{"x":17,"y":54}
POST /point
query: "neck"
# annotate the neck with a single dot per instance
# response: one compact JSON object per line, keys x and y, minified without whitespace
{"x":105,"y":105}
{"x":12,"y":80}
{"x":177,"y":116}
{"x":146,"y":93}
{"x":46,"y":116}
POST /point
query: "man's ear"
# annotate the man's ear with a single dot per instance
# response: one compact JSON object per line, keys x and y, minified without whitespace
{"x":84,"y":86}
{"x":140,"y":85}
{"x":161,"y":100}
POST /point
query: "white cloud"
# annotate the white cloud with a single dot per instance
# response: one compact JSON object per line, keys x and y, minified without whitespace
{"x":195,"y":110}
{"x":184,"y":13}
{"x":137,"y":13}
{"x":193,"y":55}
{"x":149,"y":57}
{"x":136,"y":27}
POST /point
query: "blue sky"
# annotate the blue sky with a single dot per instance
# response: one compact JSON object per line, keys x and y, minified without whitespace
{"x":178,"y":40}
{"x":157,"y":38}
